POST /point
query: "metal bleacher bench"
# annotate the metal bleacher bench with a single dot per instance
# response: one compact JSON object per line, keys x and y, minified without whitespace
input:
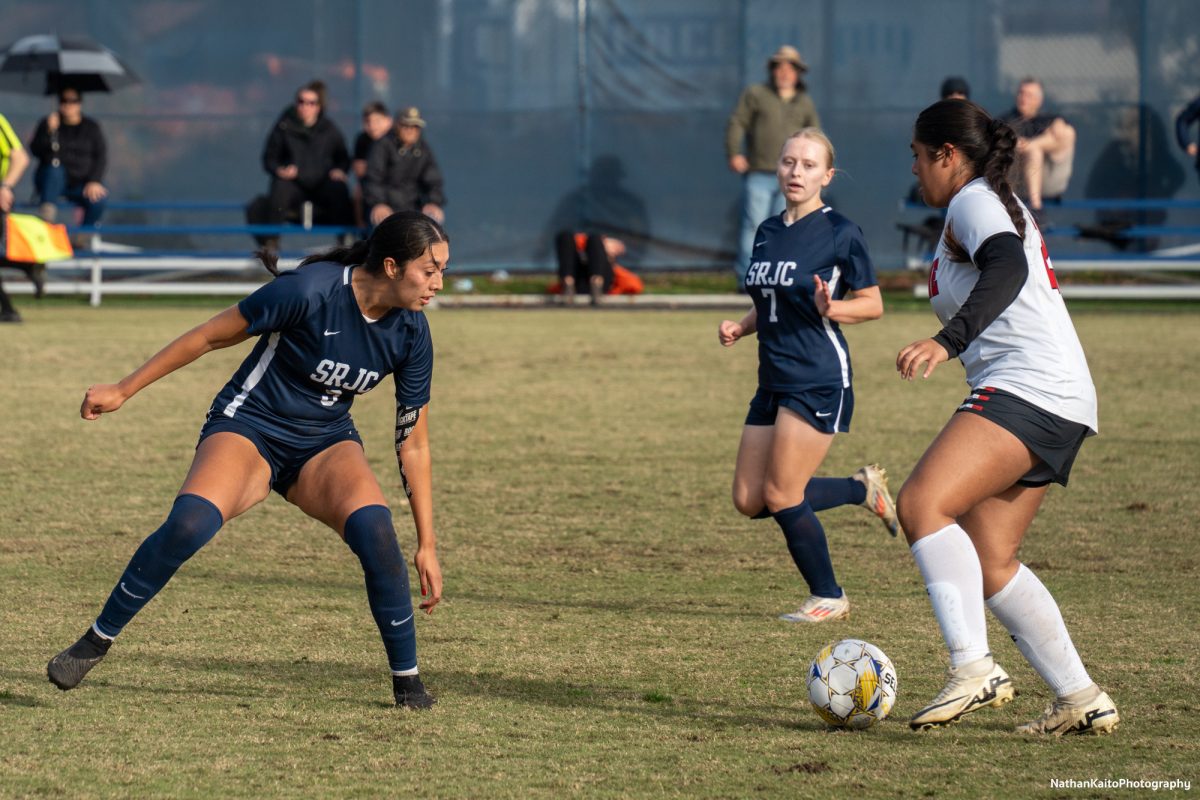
{"x":1182,"y":258}
{"x":172,"y":271}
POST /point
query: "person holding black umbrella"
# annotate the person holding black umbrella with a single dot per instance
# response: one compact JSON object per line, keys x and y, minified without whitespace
{"x":72,"y":157}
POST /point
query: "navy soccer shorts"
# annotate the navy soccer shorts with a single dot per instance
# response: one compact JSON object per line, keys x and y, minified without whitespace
{"x":826,"y":408}
{"x":285,"y":457}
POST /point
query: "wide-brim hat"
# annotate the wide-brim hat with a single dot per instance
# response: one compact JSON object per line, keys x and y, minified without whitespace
{"x":789,"y":54}
{"x":410,"y":116}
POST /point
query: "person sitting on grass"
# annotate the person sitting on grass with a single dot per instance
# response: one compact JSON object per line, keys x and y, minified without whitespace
{"x":591,"y":260}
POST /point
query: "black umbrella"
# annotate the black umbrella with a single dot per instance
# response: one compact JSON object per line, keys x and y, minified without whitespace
{"x":45,"y":64}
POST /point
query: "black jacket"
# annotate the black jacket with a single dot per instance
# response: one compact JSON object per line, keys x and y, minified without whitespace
{"x":405,"y":178}
{"x":1185,"y":120}
{"x":80,"y":148}
{"x":314,"y":151}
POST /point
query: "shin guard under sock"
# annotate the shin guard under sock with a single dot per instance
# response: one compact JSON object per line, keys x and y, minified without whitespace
{"x":809,"y":548}
{"x":371,"y":537}
{"x":1027,"y":609}
{"x":954,"y":580}
{"x":192,"y":523}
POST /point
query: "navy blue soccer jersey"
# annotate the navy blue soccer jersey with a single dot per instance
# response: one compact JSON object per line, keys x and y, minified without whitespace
{"x":798,"y":349}
{"x":316,"y":351}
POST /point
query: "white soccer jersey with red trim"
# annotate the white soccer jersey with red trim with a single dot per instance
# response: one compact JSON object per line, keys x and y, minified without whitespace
{"x":1031,"y":349}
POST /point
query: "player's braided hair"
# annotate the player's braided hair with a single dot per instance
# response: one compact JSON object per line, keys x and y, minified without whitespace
{"x":403,"y":237}
{"x":996,"y":169}
{"x":989,"y":146}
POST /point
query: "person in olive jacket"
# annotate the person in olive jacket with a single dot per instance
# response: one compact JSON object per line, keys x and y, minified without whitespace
{"x":765,"y":116}
{"x":307,"y":159}
{"x":402,"y":174}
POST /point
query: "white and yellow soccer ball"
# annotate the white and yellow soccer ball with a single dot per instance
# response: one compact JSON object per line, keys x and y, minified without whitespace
{"x":852,"y":684}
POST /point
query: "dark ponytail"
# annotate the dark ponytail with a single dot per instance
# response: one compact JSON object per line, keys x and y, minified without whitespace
{"x":989,"y":146}
{"x":403,"y":237}
{"x":997,"y":169}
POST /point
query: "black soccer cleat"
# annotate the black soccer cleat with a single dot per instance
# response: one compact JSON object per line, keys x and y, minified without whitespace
{"x":67,"y":668}
{"x":410,"y":692}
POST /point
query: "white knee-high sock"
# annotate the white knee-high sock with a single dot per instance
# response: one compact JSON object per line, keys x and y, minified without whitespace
{"x":1026,"y":608}
{"x":954,"y":580}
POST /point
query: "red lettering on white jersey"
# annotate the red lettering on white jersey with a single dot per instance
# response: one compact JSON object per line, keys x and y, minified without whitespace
{"x":1046,"y":258}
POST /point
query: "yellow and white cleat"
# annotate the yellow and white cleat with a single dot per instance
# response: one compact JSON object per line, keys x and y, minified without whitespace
{"x":968,"y":688}
{"x":1089,"y":712}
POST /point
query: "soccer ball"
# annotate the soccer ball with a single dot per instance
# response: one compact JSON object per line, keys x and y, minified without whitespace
{"x":852,"y":684}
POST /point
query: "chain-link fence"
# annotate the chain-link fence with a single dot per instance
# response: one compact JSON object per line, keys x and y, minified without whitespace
{"x":564,"y":113}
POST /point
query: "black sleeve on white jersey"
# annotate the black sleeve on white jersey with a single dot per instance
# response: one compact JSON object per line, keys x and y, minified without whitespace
{"x":1003,"y":270}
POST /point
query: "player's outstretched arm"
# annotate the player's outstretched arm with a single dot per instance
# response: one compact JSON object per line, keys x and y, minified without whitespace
{"x":224,"y":330}
{"x":416,"y":472}
{"x":860,"y":305}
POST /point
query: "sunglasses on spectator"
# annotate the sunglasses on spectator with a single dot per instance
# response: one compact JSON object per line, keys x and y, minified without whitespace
{"x":69,"y":101}
{"x":300,"y":101}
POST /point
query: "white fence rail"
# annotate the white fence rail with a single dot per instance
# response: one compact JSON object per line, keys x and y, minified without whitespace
{"x":92,"y":276}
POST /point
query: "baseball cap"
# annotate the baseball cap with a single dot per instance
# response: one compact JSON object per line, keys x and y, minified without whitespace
{"x":410,"y":116}
{"x":789,"y":54}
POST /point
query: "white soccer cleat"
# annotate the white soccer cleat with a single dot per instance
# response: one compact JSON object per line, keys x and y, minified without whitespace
{"x":820,"y":609}
{"x":968,"y":688}
{"x":1096,"y":715}
{"x":879,"y":499}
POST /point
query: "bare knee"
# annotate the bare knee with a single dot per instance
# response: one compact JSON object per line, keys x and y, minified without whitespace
{"x":919,"y":511}
{"x":777,"y":497}
{"x":906,"y":510}
{"x":747,"y":502}
{"x":1064,"y":133}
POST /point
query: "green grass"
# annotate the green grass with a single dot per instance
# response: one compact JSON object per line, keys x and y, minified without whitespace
{"x":609,"y":624}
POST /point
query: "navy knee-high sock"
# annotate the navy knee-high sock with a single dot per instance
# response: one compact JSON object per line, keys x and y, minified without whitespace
{"x":192,"y":523}
{"x":824,"y":493}
{"x":806,"y":542}
{"x":371,"y":537}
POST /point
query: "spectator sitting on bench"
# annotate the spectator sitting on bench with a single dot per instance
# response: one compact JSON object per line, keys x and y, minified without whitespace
{"x":1186,"y":119}
{"x":72,"y":156}
{"x":1045,"y":146}
{"x":377,"y":123}
{"x":402,"y":174}
{"x":306,"y":157}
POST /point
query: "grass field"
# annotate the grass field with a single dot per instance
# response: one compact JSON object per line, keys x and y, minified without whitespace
{"x":609,"y":627}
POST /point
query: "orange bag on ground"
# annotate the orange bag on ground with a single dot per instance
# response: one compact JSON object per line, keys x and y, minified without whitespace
{"x":624,"y":281}
{"x":32,"y":240}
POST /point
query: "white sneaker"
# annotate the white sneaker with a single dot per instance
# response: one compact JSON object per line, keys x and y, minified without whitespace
{"x":968,"y":688}
{"x":1093,"y":713}
{"x":879,"y":500}
{"x":820,"y":609}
